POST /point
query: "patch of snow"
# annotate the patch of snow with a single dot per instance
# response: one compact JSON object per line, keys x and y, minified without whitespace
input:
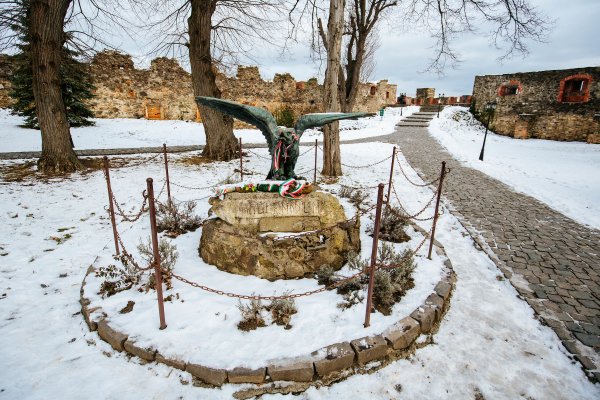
{"x":564,"y":175}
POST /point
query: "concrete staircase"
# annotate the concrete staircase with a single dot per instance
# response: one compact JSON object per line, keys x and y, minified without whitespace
{"x":419,"y":119}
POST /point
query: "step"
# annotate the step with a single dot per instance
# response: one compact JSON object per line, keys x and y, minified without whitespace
{"x":412,"y":125}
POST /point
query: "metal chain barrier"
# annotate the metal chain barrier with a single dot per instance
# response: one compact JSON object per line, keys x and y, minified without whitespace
{"x":146,"y":161}
{"x":367,"y":165}
{"x":407,"y":214}
{"x":257,"y":155}
{"x":194,"y":188}
{"x":410,"y":181}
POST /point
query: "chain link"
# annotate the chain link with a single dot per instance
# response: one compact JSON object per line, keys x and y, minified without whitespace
{"x":143,"y":162}
{"x":413,"y":216}
{"x":132,"y":217}
{"x":411,"y":182}
{"x":129,"y":256}
{"x":367,"y":165}
{"x":192,"y":187}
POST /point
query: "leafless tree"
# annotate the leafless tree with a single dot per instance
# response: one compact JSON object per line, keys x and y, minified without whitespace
{"x":511,"y":25}
{"x":213,"y":34}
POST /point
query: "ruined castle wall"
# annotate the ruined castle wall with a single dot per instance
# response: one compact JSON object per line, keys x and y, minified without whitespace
{"x":164,"y":91}
{"x":536,"y":105}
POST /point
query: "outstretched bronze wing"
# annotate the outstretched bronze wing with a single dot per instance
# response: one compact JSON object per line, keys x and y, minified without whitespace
{"x":308,"y":121}
{"x":256,"y":116}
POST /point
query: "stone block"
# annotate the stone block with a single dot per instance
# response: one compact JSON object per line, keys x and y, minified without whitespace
{"x":593,"y":138}
{"x":294,"y":371}
{"x":263,"y":212}
{"x":87,"y":314}
{"x":437,"y":302}
{"x":334,"y":358}
{"x":369,"y":348}
{"x":425,"y":315}
{"x":147,"y":354}
{"x":111,"y":336}
{"x":402,"y":333}
{"x":246,"y":375}
{"x":170,"y":362}
{"x":213,"y":376}
{"x":443,"y":289}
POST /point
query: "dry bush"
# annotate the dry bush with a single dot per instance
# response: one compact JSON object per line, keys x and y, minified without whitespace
{"x":251,"y":315}
{"x":355,"y":196}
{"x":392,"y":226}
{"x":177,"y":217}
{"x":118,"y":278}
{"x":282,"y":311}
{"x":390,"y":285}
{"x":168,"y":257}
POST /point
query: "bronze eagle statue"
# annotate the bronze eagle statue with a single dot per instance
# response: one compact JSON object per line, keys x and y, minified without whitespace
{"x":283,"y":142}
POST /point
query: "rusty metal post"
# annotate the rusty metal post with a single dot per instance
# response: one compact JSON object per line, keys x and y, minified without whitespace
{"x":241,"y":163}
{"x":316,"y":148}
{"x":374,"y":256}
{"x":387,"y":201}
{"x":156,"y":255}
{"x":111,"y":207}
{"x":437,"y":207}
{"x":167,"y":172}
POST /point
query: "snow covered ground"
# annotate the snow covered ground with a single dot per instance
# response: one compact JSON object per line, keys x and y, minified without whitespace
{"x":489,"y":341}
{"x":564,"y":175}
{"x":121,"y":132}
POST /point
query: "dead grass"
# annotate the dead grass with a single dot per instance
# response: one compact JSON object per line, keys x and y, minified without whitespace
{"x":191,"y":160}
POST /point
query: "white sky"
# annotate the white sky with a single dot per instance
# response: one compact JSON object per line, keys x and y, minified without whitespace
{"x":402,"y":56}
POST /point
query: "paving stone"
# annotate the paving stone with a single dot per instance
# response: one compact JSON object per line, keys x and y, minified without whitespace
{"x":247,"y":375}
{"x":170,"y":362}
{"x":147,"y":354}
{"x":369,"y":348}
{"x":111,"y":336}
{"x":213,"y":376}
{"x":588,"y":340}
{"x":334,"y":358}
{"x":402,"y":333}
{"x":294,"y":371}
{"x":585,"y":361}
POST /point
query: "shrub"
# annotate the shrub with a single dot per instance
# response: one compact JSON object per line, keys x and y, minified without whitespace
{"x":251,"y":315}
{"x":118,"y":278}
{"x":325,"y":275}
{"x":177,"y":217}
{"x":392,"y":226}
{"x":282,"y":311}
{"x":168,"y":257}
{"x":355,"y":196}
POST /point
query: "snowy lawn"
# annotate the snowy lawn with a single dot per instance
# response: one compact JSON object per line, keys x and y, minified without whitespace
{"x":489,"y":341}
{"x":124,"y":133}
{"x":564,"y":175}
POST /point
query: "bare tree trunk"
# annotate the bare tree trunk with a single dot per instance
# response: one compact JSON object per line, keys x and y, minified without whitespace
{"x":221,"y":144}
{"x":332,"y":162}
{"x":46,"y":26}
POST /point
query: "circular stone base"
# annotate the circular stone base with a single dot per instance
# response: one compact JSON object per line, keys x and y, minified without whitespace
{"x":237,"y":251}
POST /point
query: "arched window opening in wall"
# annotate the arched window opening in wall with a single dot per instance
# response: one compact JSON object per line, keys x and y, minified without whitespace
{"x":511,"y":88}
{"x":575,"y":89}
{"x":373,"y":90}
{"x":387,"y":95}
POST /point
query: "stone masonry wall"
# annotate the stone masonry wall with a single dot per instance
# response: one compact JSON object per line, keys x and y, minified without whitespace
{"x":164,"y":91}
{"x":535,"y":106}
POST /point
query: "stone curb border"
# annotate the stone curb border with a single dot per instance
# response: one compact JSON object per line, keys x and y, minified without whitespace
{"x":326,"y":365}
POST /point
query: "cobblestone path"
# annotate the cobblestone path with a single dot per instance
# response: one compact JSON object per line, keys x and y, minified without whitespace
{"x":552,"y":261}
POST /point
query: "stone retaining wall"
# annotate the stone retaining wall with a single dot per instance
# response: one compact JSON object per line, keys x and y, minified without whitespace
{"x":326,"y":365}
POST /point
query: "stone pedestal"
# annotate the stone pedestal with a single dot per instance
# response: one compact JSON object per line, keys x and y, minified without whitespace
{"x":238,"y":240}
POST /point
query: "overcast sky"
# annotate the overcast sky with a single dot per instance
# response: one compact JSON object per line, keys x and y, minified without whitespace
{"x":401,"y":58}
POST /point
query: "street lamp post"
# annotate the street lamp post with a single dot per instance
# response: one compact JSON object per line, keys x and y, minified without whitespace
{"x":490,"y":107}
{"x":439,"y":104}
